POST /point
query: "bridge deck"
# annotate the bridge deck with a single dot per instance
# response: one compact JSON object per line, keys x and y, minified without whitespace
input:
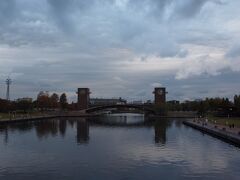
{"x":143,"y":108}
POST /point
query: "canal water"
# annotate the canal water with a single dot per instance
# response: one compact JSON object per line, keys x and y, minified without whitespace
{"x":120,"y":146}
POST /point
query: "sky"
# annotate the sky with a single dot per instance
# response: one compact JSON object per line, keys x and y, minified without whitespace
{"x":120,"y":48}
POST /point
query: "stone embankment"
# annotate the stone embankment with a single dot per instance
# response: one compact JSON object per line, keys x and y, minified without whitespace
{"x":227,"y":133}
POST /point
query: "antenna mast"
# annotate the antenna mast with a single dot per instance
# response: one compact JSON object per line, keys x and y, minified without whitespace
{"x":8,"y":82}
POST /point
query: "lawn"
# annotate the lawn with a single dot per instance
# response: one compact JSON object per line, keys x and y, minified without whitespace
{"x":4,"y":116}
{"x":225,"y":120}
{"x":20,"y":115}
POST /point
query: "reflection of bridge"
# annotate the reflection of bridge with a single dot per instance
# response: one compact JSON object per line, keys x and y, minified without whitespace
{"x":122,"y":121}
{"x":143,"y":108}
{"x":53,"y":127}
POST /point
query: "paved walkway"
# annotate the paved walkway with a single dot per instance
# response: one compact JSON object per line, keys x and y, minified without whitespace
{"x":226,"y":133}
{"x":223,"y":128}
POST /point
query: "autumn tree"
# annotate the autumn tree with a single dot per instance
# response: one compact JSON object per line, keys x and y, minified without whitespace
{"x":43,"y":100}
{"x":54,"y":100}
{"x":5,"y":105}
{"x":63,"y":101}
{"x":237,"y":104}
{"x":24,"y":104}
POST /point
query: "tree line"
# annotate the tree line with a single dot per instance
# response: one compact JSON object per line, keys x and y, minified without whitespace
{"x":44,"y":102}
{"x":50,"y":102}
{"x":217,"y":106}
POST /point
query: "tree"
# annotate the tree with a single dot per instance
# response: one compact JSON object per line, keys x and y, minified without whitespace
{"x":54,"y":100}
{"x":5,"y":105}
{"x":202,"y":109}
{"x":160,"y":109}
{"x":237,"y":104}
{"x":43,"y":100}
{"x":63,"y":101}
{"x":24,"y":104}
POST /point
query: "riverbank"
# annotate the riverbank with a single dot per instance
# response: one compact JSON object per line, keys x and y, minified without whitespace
{"x":44,"y":116}
{"x":24,"y":119}
{"x":226,"y":133}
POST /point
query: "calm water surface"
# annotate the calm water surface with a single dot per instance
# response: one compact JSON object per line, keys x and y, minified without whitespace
{"x":113,"y":147}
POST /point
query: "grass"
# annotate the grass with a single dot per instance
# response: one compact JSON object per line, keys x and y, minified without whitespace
{"x":19,"y":115}
{"x":4,"y":116}
{"x":225,"y":120}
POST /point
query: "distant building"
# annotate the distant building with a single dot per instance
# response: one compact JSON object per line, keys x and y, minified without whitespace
{"x":137,"y":102}
{"x":24,"y":99}
{"x":148,"y":102}
{"x":103,"y":101}
{"x":173,"y":102}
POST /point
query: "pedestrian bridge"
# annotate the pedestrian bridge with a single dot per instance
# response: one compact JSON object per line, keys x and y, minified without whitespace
{"x":143,"y":108}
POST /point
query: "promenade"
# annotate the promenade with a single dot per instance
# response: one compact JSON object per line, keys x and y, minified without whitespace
{"x":226,"y":133}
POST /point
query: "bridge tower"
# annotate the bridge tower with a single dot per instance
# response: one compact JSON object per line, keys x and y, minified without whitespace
{"x":83,"y":98}
{"x":160,"y":96}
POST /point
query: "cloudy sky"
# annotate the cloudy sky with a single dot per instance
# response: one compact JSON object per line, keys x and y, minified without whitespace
{"x":120,"y":47}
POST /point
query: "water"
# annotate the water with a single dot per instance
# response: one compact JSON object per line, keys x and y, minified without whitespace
{"x":113,"y":147}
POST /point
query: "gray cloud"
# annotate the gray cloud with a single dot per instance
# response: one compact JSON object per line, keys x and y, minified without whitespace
{"x":189,"y":8}
{"x":7,"y":11}
{"x":233,"y":52}
{"x":118,"y":47}
{"x":62,"y":11}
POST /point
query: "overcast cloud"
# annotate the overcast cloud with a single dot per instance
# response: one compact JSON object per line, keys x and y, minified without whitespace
{"x":120,"y":47}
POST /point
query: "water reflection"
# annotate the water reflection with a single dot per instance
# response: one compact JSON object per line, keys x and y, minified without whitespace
{"x":4,"y":132}
{"x":160,"y":133}
{"x":5,"y":129}
{"x":120,"y":147}
{"x":54,"y":127}
{"x":62,"y":127}
{"x":124,"y":119}
{"x":44,"y":129}
{"x":82,"y":131}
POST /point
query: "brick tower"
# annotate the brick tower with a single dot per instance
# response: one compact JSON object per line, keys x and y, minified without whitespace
{"x":83,"y":98}
{"x":159,"y":95}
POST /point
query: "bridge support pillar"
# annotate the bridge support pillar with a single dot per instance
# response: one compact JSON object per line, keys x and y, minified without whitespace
{"x":83,"y":98}
{"x":159,"y":96}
